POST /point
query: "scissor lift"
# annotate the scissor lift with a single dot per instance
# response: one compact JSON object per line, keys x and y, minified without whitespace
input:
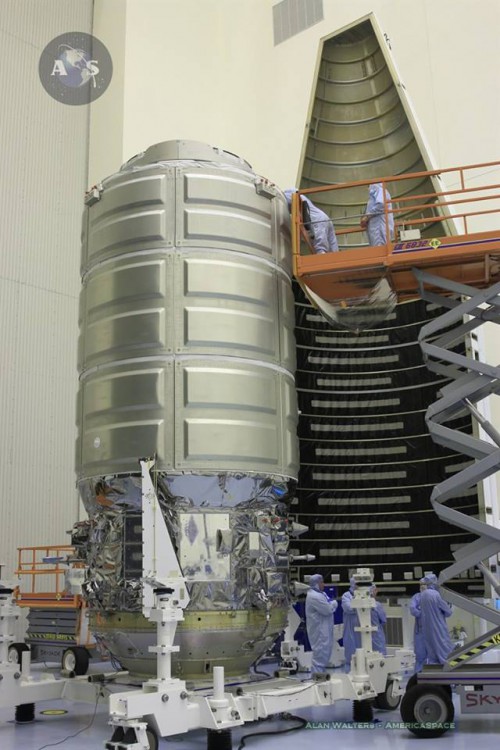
{"x":456,"y":268}
{"x":428,"y":697}
{"x":58,"y":618}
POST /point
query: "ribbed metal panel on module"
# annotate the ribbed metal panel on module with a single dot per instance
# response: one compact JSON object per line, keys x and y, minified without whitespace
{"x":187,"y":292}
{"x":187,"y":354}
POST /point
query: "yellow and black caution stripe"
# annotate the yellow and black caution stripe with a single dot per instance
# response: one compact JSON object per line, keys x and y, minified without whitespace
{"x":493,"y":640}
{"x":51,"y":637}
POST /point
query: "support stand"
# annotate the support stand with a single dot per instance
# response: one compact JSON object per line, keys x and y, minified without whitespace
{"x":171,"y":709}
{"x":9,"y":614}
{"x":219,"y":739}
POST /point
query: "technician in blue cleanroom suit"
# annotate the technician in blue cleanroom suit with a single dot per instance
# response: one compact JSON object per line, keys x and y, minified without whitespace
{"x":378,"y":620}
{"x":351,"y":638}
{"x":418,"y":636}
{"x":374,"y":219}
{"x":321,"y":231}
{"x":319,"y":622}
{"x":434,"y":611}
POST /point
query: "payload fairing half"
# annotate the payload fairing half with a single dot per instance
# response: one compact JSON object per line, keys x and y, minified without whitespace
{"x":187,"y":354}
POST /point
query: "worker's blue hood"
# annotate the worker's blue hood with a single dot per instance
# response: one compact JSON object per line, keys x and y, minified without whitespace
{"x":315,"y":580}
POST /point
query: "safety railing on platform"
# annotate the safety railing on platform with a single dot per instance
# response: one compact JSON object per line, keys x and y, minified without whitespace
{"x":42,"y":575}
{"x":452,"y":231}
{"x":462,"y":206}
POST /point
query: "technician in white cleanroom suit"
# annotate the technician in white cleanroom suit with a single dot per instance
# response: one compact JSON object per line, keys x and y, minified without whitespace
{"x":374,"y":219}
{"x":351,"y":637}
{"x":434,"y":611}
{"x":321,"y":230}
{"x":418,"y":636}
{"x":319,"y":622}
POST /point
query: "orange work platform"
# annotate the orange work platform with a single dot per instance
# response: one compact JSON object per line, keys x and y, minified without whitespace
{"x":447,"y":232}
{"x":41,"y":572}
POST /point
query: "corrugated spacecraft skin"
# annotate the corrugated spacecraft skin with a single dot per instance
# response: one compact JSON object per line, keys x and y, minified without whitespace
{"x":187,"y":353}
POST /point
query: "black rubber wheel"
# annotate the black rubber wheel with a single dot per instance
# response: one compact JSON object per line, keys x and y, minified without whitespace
{"x":386,"y":700}
{"x":75,"y":659}
{"x":413,"y":681}
{"x":362,"y":711}
{"x":16,"y":651}
{"x":424,"y":706}
{"x":152,"y":736}
{"x":25,"y":713}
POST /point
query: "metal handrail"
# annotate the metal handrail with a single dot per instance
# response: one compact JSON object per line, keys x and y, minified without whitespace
{"x":36,"y":566}
{"x":451,"y":197}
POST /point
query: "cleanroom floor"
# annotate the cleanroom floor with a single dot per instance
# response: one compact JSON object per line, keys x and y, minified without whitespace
{"x":47,"y":731}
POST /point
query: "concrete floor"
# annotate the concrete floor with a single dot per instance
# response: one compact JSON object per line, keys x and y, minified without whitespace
{"x":472,"y":730}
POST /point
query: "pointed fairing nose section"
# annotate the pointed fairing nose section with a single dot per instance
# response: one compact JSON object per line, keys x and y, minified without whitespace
{"x":360,"y":129}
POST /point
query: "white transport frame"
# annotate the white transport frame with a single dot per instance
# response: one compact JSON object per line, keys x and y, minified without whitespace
{"x":164,"y":706}
{"x":18,"y":687}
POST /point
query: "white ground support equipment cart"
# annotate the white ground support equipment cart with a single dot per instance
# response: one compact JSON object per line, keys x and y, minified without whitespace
{"x":18,"y":687}
{"x":50,"y":589}
{"x":164,"y":706}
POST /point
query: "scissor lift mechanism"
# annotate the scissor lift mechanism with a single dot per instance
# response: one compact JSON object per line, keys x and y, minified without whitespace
{"x":471,"y":382}
{"x":453,"y":266}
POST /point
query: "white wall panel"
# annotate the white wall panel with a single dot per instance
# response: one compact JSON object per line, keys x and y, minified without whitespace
{"x":42,"y":182}
{"x":214,"y":74}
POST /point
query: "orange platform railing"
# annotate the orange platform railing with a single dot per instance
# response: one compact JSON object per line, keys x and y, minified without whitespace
{"x":42,"y":571}
{"x":456,"y":240}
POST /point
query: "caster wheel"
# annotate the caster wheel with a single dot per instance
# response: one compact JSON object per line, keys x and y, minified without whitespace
{"x":75,"y":659}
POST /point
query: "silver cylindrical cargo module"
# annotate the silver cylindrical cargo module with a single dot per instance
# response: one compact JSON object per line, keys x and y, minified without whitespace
{"x":187,"y":353}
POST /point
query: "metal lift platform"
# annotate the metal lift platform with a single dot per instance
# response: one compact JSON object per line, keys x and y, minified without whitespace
{"x":441,"y":232}
{"x":451,"y":261}
{"x":58,"y":627}
{"x":428,"y":695}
